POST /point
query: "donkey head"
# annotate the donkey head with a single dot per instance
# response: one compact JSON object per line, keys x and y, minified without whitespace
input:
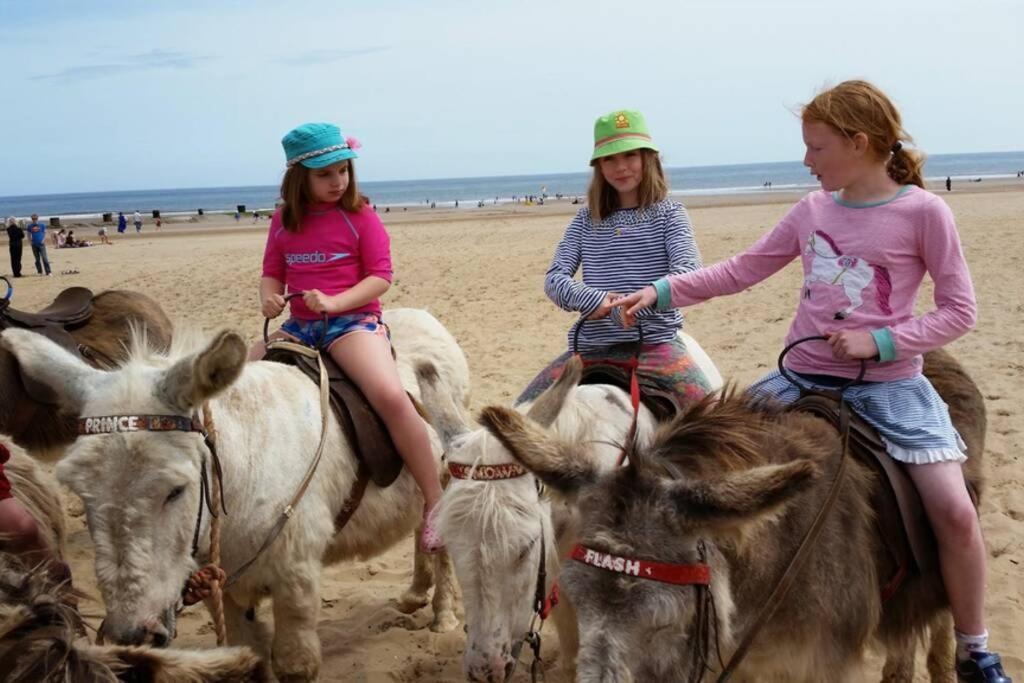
{"x":141,"y":489}
{"x":493,"y":529}
{"x":633,"y":628}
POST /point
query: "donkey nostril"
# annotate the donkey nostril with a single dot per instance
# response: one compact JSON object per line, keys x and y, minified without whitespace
{"x":508,"y":669}
{"x":160,"y":639}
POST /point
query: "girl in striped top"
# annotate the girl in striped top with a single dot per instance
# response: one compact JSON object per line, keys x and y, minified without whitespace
{"x":628,"y":235}
{"x":866,"y":241}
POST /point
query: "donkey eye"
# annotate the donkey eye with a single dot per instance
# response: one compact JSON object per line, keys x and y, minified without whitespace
{"x":174,"y":494}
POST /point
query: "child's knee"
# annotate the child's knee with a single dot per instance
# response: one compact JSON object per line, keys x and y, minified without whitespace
{"x":957,"y":521}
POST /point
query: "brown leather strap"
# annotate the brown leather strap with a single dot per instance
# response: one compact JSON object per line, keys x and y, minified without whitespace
{"x":781,"y":589}
{"x":289,"y":509}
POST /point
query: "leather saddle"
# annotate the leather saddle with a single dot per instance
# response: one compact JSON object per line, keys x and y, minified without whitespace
{"x":901,"y":521}
{"x":364,"y":429}
{"x":663,"y":403}
{"x":71,"y":309}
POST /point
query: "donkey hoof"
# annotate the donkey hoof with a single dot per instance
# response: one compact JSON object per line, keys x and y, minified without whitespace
{"x":412,"y":601}
{"x":444,"y":622}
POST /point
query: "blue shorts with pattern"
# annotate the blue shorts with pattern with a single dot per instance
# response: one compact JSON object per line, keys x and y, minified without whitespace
{"x":313,"y":333}
{"x":909,"y":414}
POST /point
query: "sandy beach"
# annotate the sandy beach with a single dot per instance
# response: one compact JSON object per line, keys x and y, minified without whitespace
{"x":480,"y":271}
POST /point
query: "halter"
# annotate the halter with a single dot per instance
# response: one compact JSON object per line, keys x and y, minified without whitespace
{"x":542,"y":604}
{"x":697,"y":574}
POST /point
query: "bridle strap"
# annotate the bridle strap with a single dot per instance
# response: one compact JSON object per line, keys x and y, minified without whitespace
{"x":698,"y":574}
{"x":497,"y":472}
{"x":785,"y":582}
{"x":289,"y":509}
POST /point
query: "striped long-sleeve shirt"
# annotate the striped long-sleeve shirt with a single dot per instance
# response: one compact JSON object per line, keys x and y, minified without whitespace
{"x":626,"y":251}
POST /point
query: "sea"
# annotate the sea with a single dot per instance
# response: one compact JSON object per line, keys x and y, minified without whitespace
{"x":472,"y":192}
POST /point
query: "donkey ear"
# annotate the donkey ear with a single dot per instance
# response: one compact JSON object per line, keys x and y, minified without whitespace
{"x":739,"y":498}
{"x":558,"y":464}
{"x":56,"y":375}
{"x":548,"y":405}
{"x":445,"y":417}
{"x":196,"y":378}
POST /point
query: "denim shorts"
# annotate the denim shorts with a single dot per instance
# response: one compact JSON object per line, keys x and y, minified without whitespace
{"x":312,"y":333}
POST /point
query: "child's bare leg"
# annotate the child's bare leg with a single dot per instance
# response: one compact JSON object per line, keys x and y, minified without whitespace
{"x":958,"y":531}
{"x":366,"y":359}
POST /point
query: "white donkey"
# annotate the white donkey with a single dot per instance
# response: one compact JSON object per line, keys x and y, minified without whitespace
{"x":502,"y":530}
{"x":142,"y":489}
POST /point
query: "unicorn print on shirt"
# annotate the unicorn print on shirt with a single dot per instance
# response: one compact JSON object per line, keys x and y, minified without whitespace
{"x":852,"y":273}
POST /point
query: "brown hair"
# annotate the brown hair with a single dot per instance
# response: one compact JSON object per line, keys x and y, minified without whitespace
{"x":604,"y":199}
{"x":296,"y":195}
{"x":859,"y":107}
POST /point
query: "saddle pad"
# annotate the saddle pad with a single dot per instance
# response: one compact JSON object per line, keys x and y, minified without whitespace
{"x":902,"y":521}
{"x":363,"y":427}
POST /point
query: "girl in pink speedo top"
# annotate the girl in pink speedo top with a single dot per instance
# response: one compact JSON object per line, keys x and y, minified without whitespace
{"x":867,"y":240}
{"x":327,"y":241}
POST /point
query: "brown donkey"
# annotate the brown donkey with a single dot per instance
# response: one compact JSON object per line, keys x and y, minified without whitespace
{"x":730,"y":489}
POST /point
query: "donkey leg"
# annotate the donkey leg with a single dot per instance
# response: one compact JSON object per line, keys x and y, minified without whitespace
{"x":899,"y":661}
{"x":564,"y":616}
{"x":445,"y":594}
{"x":245,"y":631}
{"x":941,"y":649}
{"x":296,"y":650}
{"x":417,"y":595}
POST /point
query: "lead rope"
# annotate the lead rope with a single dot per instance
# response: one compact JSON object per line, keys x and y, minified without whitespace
{"x":216,"y":591}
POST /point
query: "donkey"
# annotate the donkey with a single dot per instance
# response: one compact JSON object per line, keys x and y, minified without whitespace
{"x":142,"y":489}
{"x":726,"y":491}
{"x":40,"y":627}
{"x":31,"y":419}
{"x":497,"y":523}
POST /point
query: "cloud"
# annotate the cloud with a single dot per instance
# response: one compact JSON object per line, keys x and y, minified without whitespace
{"x":327,"y":56}
{"x":148,"y":61}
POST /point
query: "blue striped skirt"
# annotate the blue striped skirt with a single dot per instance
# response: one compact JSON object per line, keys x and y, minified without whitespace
{"x":909,"y":414}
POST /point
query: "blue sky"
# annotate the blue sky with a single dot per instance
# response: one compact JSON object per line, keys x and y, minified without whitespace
{"x":109,"y":95}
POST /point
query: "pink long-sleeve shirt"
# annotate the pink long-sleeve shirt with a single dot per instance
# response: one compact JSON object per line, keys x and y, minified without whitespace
{"x":333,"y":251}
{"x":863,"y":267}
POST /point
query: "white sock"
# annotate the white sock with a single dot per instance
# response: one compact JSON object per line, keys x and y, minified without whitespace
{"x":966,"y":644}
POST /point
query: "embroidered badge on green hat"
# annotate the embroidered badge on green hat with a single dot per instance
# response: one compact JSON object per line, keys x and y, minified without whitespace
{"x":621,"y":131}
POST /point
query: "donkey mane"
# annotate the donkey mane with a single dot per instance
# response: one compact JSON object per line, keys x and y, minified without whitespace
{"x":722,"y":432}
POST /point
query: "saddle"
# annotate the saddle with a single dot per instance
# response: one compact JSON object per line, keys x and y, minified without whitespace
{"x":71,"y":309}
{"x":663,"y":403}
{"x":364,"y":429}
{"x":900,"y":517}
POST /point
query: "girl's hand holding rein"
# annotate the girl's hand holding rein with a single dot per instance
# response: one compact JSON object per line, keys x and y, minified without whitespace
{"x":272,"y":305}
{"x":318,"y":301}
{"x":852,"y":344}
{"x":634,"y":302}
{"x":606,"y":306}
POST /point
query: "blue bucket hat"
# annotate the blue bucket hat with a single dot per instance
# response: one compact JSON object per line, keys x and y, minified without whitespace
{"x":316,"y":145}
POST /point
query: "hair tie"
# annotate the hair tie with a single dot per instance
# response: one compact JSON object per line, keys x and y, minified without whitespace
{"x":897,"y":147}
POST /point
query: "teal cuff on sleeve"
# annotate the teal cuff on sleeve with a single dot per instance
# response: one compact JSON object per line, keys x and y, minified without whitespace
{"x":884,"y":342}
{"x":664,"y":291}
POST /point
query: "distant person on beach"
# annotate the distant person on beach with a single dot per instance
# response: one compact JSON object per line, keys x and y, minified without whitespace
{"x":158,"y":222}
{"x":15,"y":237}
{"x":102,"y":234}
{"x":949,"y":184}
{"x":630,"y":234}
{"x":37,"y":235}
{"x":874,"y":231}
{"x":122,"y":222}
{"x":324,"y":213}
{"x":137,"y":219}
{"x":60,"y":239}
{"x":238,"y":216}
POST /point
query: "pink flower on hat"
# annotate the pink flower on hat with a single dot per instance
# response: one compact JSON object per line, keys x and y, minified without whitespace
{"x":353,"y":143}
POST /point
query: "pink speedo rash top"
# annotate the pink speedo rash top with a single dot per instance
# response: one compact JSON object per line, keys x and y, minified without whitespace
{"x":328,"y":253}
{"x":863,"y":266}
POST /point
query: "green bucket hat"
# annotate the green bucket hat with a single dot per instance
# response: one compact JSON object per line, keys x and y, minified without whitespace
{"x":621,"y":131}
